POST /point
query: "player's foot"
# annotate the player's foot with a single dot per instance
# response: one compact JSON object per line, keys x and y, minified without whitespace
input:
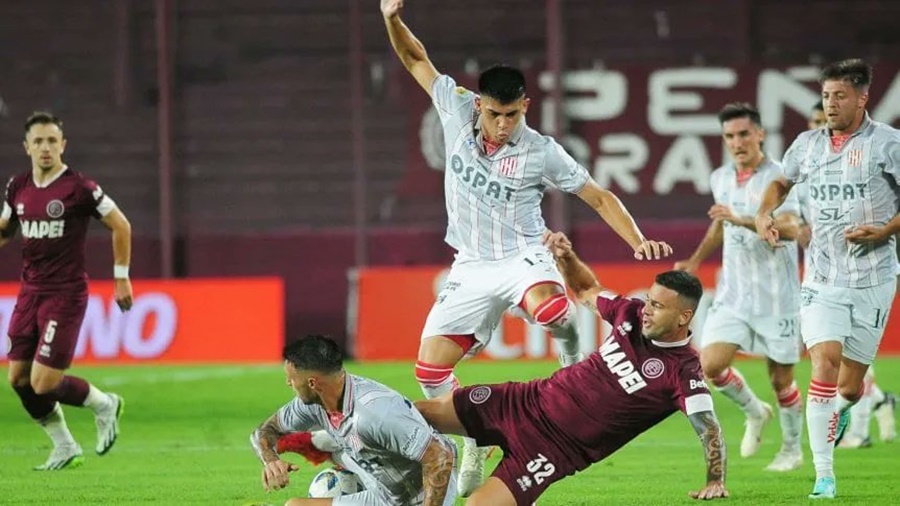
{"x":884,"y":414}
{"x":853,"y":441}
{"x":108,"y":424}
{"x":753,"y":431}
{"x":62,"y":457}
{"x":471,"y":469}
{"x":843,"y":424}
{"x":567,"y":360}
{"x":786,"y":461}
{"x":825,"y":488}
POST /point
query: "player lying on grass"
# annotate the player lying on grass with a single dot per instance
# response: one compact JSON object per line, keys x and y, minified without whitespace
{"x":551,"y":428}
{"x":372,"y":430}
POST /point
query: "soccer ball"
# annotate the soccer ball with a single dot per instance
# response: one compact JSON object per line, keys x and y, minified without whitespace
{"x":334,"y":482}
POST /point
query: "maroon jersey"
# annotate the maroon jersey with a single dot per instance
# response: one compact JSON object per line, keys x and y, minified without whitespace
{"x":53,"y":220}
{"x":626,"y":387}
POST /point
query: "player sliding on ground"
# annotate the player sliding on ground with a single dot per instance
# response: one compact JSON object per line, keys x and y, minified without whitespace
{"x":551,"y":428}
{"x":373,"y":431}
{"x":497,"y":169}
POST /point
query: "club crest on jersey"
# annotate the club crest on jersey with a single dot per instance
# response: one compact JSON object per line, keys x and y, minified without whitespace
{"x":653,"y":368}
{"x":507,"y":166}
{"x":55,"y":208}
{"x":479,"y":395}
{"x":854,"y":157}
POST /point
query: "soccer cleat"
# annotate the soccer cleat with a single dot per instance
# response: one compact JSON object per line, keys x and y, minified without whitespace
{"x":108,"y":424}
{"x":884,"y":414}
{"x":825,"y":488}
{"x":62,"y":457}
{"x":567,"y":360}
{"x":852,"y":441}
{"x":843,"y":424}
{"x":786,"y":461}
{"x":471,"y":469}
{"x":303,"y":443}
{"x":753,"y":431}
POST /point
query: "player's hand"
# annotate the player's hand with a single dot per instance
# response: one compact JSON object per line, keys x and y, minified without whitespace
{"x":720,"y":212}
{"x":652,"y":250}
{"x":765,"y":229}
{"x":862,"y":234}
{"x":686,"y":266}
{"x":805,"y":236}
{"x":124,"y":297}
{"x":391,"y":8}
{"x":712,"y":490}
{"x":275,"y":476}
{"x":557,"y":243}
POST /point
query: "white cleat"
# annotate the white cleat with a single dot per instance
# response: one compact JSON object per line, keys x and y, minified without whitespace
{"x":753,"y":431}
{"x":471,"y":469}
{"x":786,"y":461}
{"x":567,"y":360}
{"x":854,"y":442}
{"x":63,"y":457}
{"x":108,"y":424}
{"x":884,"y":415}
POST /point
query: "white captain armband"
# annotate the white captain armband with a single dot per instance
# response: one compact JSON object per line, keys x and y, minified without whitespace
{"x":697,"y":403}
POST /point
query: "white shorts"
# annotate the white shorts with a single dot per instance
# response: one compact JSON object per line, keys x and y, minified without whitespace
{"x":855,"y":317}
{"x":371,"y":498}
{"x":775,"y":337}
{"x":477,"y":292}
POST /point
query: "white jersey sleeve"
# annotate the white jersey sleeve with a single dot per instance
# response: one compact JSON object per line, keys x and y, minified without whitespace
{"x":448,"y":98}
{"x":562,"y":171}
{"x":297,"y":416}
{"x":402,"y":430}
{"x":793,"y":158}
{"x":892,"y":156}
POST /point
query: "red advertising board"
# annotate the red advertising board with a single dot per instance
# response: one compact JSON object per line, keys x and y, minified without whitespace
{"x":202,"y":320}
{"x":392,"y":304}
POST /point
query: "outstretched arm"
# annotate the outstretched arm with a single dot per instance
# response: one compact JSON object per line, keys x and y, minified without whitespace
{"x":707,"y":427}
{"x":437,"y":466}
{"x":265,"y":441}
{"x":613,"y":212}
{"x":579,"y":277}
{"x":711,"y":242}
{"x":773,"y":197}
{"x":408,"y":48}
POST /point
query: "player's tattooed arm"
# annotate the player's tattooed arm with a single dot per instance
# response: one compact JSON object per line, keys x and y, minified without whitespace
{"x":579,"y":277}
{"x":437,"y":466}
{"x":707,"y":427}
{"x":265,"y":439}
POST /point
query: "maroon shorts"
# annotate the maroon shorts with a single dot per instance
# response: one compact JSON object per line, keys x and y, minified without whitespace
{"x":44,"y":327}
{"x":508,"y":415}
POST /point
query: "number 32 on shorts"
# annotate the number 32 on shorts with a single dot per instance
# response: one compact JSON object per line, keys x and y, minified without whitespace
{"x":540,"y":469}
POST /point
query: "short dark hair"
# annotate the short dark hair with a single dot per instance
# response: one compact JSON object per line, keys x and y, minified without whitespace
{"x":854,"y":71}
{"x":684,"y":283}
{"x":42,"y":118}
{"x":314,"y":352}
{"x":817,"y":107}
{"x":502,"y":83}
{"x":736,"y":110}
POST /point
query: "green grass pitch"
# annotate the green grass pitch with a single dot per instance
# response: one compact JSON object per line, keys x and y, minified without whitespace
{"x":185,"y":440}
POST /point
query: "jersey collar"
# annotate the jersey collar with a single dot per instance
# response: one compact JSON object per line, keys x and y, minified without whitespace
{"x":675,"y":344}
{"x":51,"y":180}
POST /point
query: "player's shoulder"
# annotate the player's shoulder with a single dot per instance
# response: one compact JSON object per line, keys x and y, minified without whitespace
{"x":808,"y":136}
{"x":884,"y":132}
{"x":445,"y":83}
{"x":721,"y":171}
{"x":370,"y":395}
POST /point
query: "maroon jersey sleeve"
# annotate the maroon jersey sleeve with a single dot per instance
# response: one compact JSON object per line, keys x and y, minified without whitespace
{"x":691,"y":393}
{"x":612,"y":307}
{"x":96,"y":203}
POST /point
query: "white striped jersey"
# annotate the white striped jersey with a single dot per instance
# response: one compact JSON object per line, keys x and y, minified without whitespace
{"x":756,"y":279}
{"x":381,"y":435}
{"x":802,"y":191}
{"x":494,"y":202}
{"x":857,"y":185}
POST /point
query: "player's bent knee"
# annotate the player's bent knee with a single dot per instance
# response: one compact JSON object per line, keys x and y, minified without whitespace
{"x":555,"y":311}
{"x":852,"y":393}
{"x":493,"y":493}
{"x":45,"y":383}
{"x":713,"y":367}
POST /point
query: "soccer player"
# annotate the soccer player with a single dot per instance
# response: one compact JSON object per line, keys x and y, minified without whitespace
{"x":52,"y":205}
{"x":496,"y":173}
{"x":372,"y":430}
{"x":758,"y":294}
{"x":552,"y":428}
{"x":874,"y":400}
{"x":852,"y":168}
